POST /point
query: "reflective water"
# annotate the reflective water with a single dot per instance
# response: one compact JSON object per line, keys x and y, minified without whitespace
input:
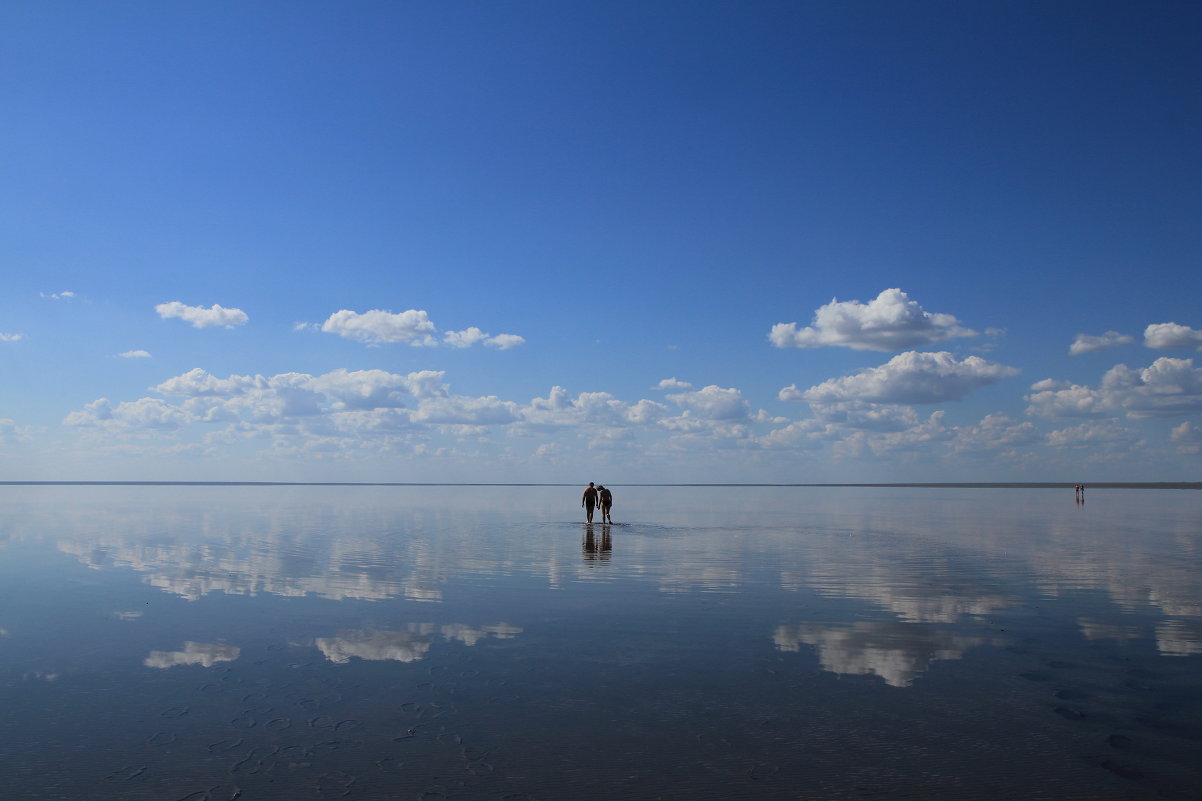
{"x":215,"y":643}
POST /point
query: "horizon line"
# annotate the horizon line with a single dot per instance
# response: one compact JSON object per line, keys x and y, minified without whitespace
{"x":1194,"y":485}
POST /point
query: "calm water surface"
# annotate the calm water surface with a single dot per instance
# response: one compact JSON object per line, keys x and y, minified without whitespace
{"x":212,"y":643}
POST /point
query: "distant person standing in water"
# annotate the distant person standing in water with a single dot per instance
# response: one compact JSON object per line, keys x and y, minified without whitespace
{"x":589,"y":501}
{"x":607,"y":500}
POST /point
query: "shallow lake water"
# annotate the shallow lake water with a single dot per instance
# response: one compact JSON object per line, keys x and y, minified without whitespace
{"x":273,"y":642}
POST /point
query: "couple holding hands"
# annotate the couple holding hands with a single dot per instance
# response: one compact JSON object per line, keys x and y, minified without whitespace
{"x":595,"y":496}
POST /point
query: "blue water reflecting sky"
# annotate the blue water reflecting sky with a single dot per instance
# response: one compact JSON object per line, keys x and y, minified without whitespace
{"x":481,"y":642}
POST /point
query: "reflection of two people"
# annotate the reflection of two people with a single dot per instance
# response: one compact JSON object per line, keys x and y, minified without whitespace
{"x":595,"y":551}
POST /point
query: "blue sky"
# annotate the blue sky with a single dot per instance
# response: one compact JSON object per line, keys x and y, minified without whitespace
{"x":614,"y":241}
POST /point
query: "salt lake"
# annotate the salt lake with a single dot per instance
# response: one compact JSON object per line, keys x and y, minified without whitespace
{"x":206,"y":643}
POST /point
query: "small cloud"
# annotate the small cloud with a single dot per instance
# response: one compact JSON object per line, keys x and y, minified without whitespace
{"x":548,"y":450}
{"x":376,"y":327}
{"x":64,"y":295}
{"x":135,"y":354}
{"x":504,"y":341}
{"x":11,"y":433}
{"x":411,"y":327}
{"x":1088,"y":343}
{"x":465,"y":338}
{"x":11,"y":337}
{"x":200,"y":317}
{"x":891,"y":321}
{"x":673,"y":383}
{"x":471,"y":335}
{"x":1172,"y":335}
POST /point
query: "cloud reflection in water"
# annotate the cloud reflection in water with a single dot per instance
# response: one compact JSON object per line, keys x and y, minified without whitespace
{"x":409,"y":645}
{"x":897,"y":652}
{"x":194,"y":653}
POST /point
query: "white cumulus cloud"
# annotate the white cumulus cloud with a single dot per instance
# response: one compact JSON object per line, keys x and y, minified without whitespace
{"x":411,"y":327}
{"x":799,"y":435}
{"x":342,"y":411}
{"x":559,"y":410}
{"x":200,"y":383}
{"x":10,"y":337}
{"x":713,"y":403}
{"x":270,"y":398}
{"x":891,"y":321}
{"x":1187,"y":436}
{"x":921,"y":438}
{"x":909,"y":377}
{"x":1053,"y":400}
{"x":1092,"y":434}
{"x":135,"y":354}
{"x":1088,"y":343}
{"x":143,"y":414}
{"x":504,"y":341}
{"x":377,"y":327}
{"x":465,"y":338}
{"x":1187,"y":432}
{"x":996,"y":432}
{"x":1172,"y":335}
{"x":377,"y":389}
{"x":200,"y":317}
{"x":461,"y":410}
{"x":1167,"y":387}
{"x":673,"y":383}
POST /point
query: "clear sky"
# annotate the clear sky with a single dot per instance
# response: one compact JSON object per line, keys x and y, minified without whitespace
{"x":610,"y":241}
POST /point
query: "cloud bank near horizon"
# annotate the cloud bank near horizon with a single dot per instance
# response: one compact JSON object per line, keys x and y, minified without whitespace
{"x":869,"y":414}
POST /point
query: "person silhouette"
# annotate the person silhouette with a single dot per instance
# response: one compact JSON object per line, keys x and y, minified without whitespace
{"x":606,"y":500}
{"x":589,"y":501}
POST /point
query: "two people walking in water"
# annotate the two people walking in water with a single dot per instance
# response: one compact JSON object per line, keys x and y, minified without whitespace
{"x":595,"y":496}
{"x":1080,"y":493}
